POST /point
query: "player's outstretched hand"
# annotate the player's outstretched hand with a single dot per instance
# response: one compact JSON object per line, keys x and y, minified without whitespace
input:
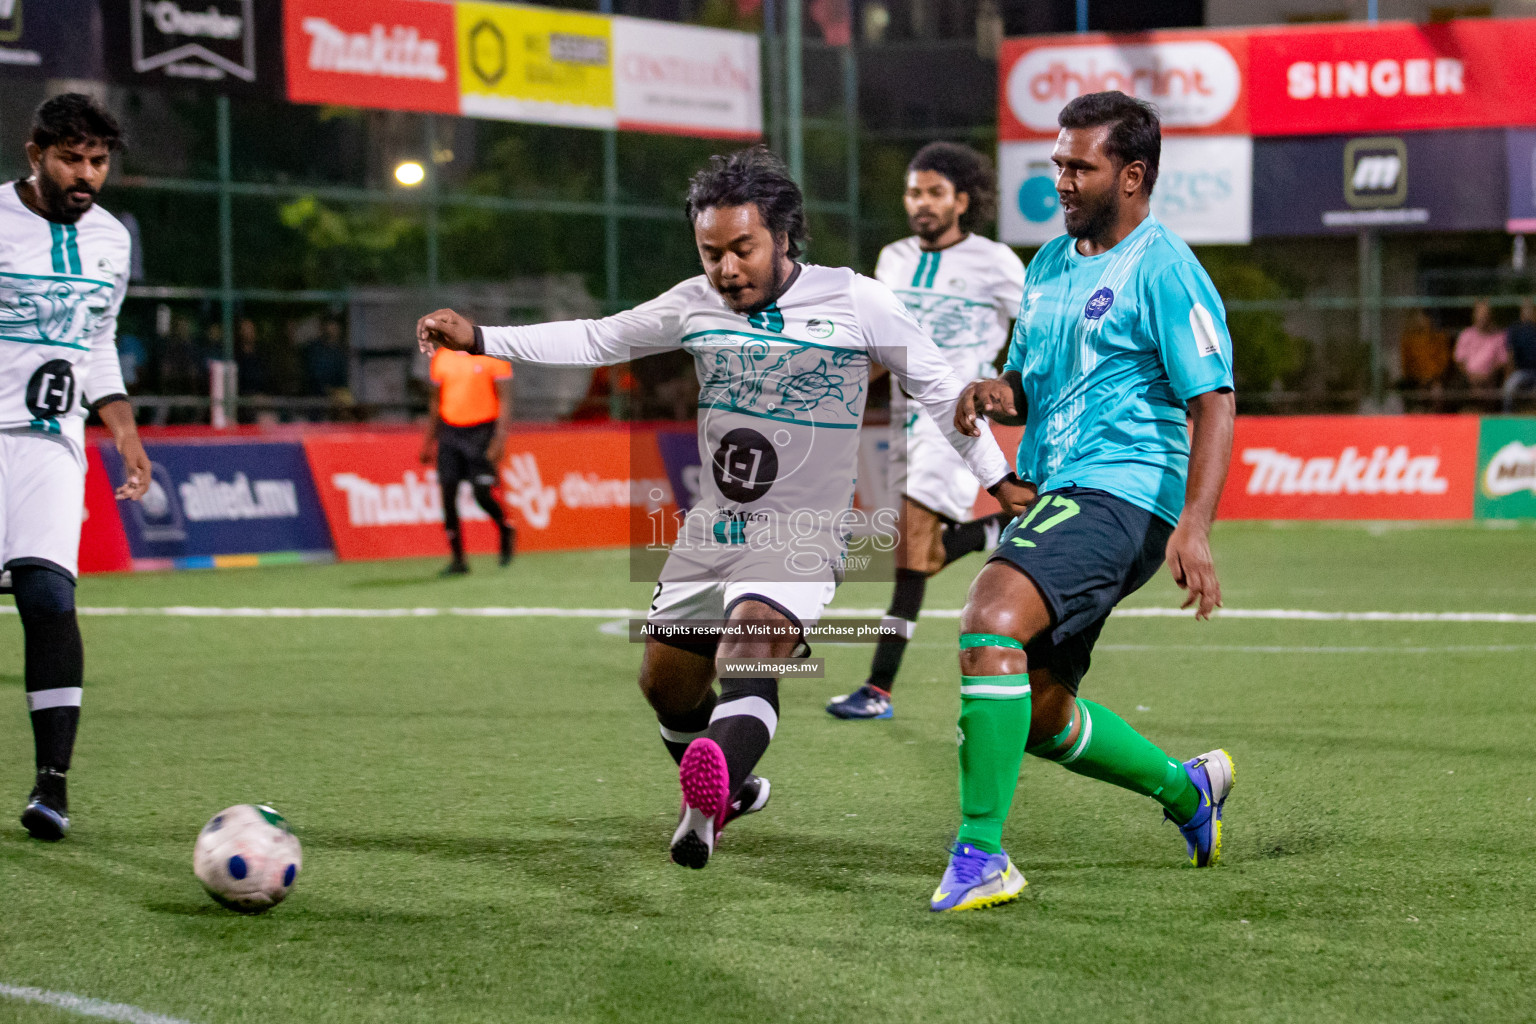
{"x":1189,"y":559}
{"x":979,"y":398}
{"x":136,"y":462}
{"x":445,"y":328}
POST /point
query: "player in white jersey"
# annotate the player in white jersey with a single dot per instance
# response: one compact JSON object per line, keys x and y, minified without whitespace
{"x":63,"y":272}
{"x":783,"y":352}
{"x":964,"y":290}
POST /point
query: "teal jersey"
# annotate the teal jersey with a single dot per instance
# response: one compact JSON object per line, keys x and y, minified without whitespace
{"x":1111,"y":348}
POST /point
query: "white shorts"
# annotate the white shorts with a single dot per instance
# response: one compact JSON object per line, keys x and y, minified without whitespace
{"x":703,"y":586}
{"x":42,"y":503}
{"x":928,"y":470}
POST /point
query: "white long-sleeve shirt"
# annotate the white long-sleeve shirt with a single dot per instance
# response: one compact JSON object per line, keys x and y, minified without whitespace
{"x":781,"y":392}
{"x":61,"y":286}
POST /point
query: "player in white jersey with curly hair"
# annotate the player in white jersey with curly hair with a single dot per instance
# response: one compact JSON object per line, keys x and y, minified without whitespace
{"x":964,"y":290}
{"x":783,"y":351}
{"x":63,"y":273}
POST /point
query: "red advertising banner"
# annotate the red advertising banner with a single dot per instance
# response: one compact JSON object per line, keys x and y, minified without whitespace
{"x":1395,"y":77}
{"x":103,"y":544}
{"x":1352,"y":467}
{"x":390,"y":54}
{"x":562,"y":489}
{"x":1195,"y":78}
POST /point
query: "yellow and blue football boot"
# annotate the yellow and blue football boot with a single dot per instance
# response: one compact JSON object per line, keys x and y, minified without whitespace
{"x":1212,"y":775}
{"x":976,"y":879}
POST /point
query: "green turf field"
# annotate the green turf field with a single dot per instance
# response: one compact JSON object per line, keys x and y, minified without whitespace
{"x":485,"y":811}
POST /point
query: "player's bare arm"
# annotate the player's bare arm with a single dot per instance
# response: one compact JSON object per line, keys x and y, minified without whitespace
{"x":1189,"y":548}
{"x":118,"y":416}
{"x":1000,"y":399}
{"x":429,"y":441}
{"x":498,"y":443}
{"x":446,"y":328}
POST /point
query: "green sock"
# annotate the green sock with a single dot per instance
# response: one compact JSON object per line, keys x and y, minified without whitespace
{"x":994,"y":725}
{"x":1108,"y":749}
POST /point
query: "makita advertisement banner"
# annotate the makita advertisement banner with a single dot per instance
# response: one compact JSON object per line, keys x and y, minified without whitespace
{"x":1413,"y":181}
{"x":597,"y":487}
{"x":228,"y":45}
{"x":209,"y":499}
{"x":389,"y":54}
{"x":1352,"y":467}
{"x":50,"y":39}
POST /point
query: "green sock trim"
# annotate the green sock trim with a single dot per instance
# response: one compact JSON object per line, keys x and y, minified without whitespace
{"x":1006,"y":687}
{"x":994,"y":725}
{"x":1108,"y":749}
{"x":969,"y":640}
{"x":1053,"y":745}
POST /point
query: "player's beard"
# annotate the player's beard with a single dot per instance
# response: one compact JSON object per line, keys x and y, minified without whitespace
{"x":1093,"y":218}
{"x":57,"y":200}
{"x":775,"y":289}
{"x":932,"y":229}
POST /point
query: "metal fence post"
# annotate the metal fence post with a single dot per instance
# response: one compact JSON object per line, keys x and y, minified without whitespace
{"x":429,"y":130}
{"x":1370,"y":312}
{"x":226,"y":254}
{"x":851,"y":128}
{"x":794,"y":44}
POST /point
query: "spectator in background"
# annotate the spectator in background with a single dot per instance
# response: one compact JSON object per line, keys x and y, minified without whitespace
{"x":182,"y":370}
{"x":1425,"y":351}
{"x":1522,"y":355}
{"x":325,"y":361}
{"x":131,"y":357}
{"x":250,"y":367}
{"x":1481,"y":349}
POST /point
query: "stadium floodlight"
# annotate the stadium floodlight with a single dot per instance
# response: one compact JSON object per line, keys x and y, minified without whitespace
{"x":410,"y":173}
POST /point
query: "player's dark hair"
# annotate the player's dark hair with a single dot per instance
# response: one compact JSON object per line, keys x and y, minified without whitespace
{"x":753,"y":176}
{"x":75,"y":117}
{"x":1135,"y":131}
{"x":968,"y":171}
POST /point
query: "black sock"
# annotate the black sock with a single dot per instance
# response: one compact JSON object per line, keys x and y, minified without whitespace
{"x":743,"y":723}
{"x":55,"y":661}
{"x":960,"y":539}
{"x":677,"y":731}
{"x":906,"y":602}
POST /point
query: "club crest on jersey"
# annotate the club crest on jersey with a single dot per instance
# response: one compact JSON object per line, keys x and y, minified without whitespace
{"x":819,"y":328}
{"x":1098,"y":304}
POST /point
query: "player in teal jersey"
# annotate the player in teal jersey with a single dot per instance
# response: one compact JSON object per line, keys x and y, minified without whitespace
{"x":1120,"y":370}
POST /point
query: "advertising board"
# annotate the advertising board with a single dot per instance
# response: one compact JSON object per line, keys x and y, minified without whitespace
{"x":683,"y":79}
{"x":1413,"y":181}
{"x":103,"y":544}
{"x":228,"y":45}
{"x":209,"y":499}
{"x":1196,"y":79}
{"x":1391,"y":77}
{"x":1352,"y":467}
{"x":1204,"y":190}
{"x":1506,"y":468}
{"x":388,"y":54}
{"x":534,"y":64}
{"x":50,"y":39}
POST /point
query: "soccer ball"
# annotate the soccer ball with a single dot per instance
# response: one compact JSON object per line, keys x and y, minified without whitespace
{"x":246,"y":858}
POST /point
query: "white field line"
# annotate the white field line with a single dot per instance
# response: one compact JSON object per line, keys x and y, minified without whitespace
{"x":494,"y":612}
{"x":87,"y":1007}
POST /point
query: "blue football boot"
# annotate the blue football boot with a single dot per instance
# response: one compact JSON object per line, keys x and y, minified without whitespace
{"x":1212,"y":775}
{"x":865,"y":702}
{"x":976,"y":879}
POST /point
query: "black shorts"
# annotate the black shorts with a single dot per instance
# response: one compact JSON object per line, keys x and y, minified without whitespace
{"x":461,"y":454}
{"x":1084,"y":550}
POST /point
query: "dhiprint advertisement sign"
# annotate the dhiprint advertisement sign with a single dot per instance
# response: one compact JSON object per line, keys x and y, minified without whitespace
{"x":1203,"y":194}
{"x":1349,"y":78}
{"x":1196,"y":79}
{"x":1415,"y":181}
{"x":51,"y":38}
{"x":1351,"y":467}
{"x":208,"y":499}
{"x":387,"y":54}
{"x":534,"y":64}
{"x":230,"y":45}
{"x":687,"y":80}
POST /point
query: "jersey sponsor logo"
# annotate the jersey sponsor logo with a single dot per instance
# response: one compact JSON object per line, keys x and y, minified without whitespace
{"x":51,"y":390}
{"x":1098,"y":304}
{"x":207,"y":499}
{"x":1385,"y":471}
{"x":1511,"y":470}
{"x":745,"y":465}
{"x":64,"y":311}
{"x":1203,"y":326}
{"x":819,"y":328}
{"x":398,"y":51}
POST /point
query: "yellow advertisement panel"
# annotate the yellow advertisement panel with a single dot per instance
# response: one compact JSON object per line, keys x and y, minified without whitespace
{"x":535,"y":64}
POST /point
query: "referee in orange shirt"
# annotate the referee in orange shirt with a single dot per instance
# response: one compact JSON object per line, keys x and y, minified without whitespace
{"x":468,"y":417}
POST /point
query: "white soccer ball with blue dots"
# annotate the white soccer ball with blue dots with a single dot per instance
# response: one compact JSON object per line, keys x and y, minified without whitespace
{"x":247,"y":859}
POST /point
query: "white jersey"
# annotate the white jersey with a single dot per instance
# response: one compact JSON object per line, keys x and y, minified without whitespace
{"x":781,"y":398}
{"x":61,"y":286}
{"x":964,"y":296}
